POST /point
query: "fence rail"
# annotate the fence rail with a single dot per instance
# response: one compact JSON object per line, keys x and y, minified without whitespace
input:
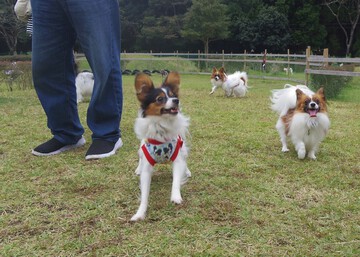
{"x":308,"y":63}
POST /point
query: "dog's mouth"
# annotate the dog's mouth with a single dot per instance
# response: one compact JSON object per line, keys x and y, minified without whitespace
{"x":312,"y":112}
{"x":172,"y":111}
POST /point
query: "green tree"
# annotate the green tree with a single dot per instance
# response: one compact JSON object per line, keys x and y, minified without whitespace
{"x":206,"y":21}
{"x":268,"y":30}
{"x":10,"y":27}
{"x":304,"y":23}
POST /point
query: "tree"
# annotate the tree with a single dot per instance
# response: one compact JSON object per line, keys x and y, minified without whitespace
{"x":304,"y":23}
{"x":206,"y":21}
{"x":346,"y":13}
{"x":10,"y":26}
{"x":268,"y":30}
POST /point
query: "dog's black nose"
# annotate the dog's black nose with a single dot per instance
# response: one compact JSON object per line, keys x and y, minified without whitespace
{"x":175,"y":101}
{"x":312,"y":105}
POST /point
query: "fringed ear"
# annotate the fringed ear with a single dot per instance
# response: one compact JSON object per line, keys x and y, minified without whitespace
{"x":299,"y":93}
{"x":214,"y":70}
{"x":321,"y":93}
{"x":143,"y":85}
{"x":173,"y":82}
{"x":222,"y":70}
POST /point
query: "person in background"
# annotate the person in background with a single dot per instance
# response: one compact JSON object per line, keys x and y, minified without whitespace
{"x":57,"y":24}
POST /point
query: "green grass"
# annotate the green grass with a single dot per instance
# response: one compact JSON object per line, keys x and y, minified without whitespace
{"x":245,"y":198}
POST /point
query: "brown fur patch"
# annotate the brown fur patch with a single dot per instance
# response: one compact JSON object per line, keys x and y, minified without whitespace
{"x":287,"y":118}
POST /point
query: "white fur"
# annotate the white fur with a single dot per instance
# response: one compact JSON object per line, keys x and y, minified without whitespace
{"x":305,"y":132}
{"x":233,"y":84}
{"x":161,"y":128}
{"x":84,"y":85}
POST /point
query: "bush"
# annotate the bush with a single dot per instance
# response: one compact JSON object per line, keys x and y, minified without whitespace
{"x":331,"y":83}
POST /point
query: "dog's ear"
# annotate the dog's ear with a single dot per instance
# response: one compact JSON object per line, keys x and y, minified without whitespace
{"x":299,"y":94}
{"x":214,"y":70}
{"x":321,"y":93}
{"x":173,"y":82}
{"x":143,"y":85}
{"x":222,"y":70}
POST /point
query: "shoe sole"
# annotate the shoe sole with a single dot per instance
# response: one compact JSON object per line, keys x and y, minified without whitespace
{"x":118,"y":144}
{"x":79,"y":143}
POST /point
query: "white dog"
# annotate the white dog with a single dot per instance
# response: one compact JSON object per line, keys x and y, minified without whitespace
{"x":84,"y":85}
{"x":233,"y":84}
{"x":162,"y":130}
{"x":302,"y":116}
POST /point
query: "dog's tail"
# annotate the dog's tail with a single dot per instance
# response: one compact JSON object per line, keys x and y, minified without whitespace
{"x":244,"y":77}
{"x":283,"y":99}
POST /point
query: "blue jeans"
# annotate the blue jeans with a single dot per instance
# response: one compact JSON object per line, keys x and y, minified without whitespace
{"x":96,"y":25}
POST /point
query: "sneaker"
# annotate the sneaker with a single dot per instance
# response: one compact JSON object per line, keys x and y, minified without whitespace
{"x":101,"y":148}
{"x":54,"y":146}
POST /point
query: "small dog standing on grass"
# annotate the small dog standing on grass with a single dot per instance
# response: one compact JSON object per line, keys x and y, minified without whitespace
{"x":302,"y":116}
{"x":162,"y":129}
{"x":233,"y":84}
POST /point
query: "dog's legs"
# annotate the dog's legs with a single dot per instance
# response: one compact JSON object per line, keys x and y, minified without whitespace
{"x":280,"y":126}
{"x":213,"y":90}
{"x":145,"y":181}
{"x":300,"y":148}
{"x":312,"y":152}
{"x":311,"y":155}
{"x":138,"y":169}
{"x":179,"y":172}
{"x":186,"y":177}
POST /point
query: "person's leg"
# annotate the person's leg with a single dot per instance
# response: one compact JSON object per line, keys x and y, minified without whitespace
{"x":53,"y":71}
{"x":97,"y":25}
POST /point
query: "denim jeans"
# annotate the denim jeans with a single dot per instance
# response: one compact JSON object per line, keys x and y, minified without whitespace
{"x":96,"y":25}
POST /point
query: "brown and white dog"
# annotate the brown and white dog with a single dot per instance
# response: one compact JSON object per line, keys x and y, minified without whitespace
{"x":233,"y":84}
{"x":162,"y":130}
{"x":302,"y":116}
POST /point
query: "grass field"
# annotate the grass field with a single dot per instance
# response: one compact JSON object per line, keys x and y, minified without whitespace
{"x":245,"y":198}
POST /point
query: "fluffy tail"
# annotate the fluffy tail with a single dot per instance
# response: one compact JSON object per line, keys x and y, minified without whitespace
{"x":284,"y":99}
{"x":244,"y":77}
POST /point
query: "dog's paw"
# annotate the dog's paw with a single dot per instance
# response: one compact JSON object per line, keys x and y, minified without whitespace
{"x":137,"y":217}
{"x":301,"y":154}
{"x":285,"y":149}
{"x":212,"y":92}
{"x":176,"y":199}
{"x":312,"y":156}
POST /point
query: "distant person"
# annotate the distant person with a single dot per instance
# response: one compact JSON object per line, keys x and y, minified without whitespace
{"x":96,"y":26}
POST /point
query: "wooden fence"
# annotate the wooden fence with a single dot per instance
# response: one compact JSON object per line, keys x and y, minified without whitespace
{"x":307,"y":63}
{"x":317,"y":64}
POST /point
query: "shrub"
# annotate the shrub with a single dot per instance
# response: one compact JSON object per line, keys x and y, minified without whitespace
{"x":331,"y":83}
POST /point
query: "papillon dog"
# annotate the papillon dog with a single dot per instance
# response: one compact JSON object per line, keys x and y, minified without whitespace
{"x":233,"y":84}
{"x":162,"y":129}
{"x":84,"y":83}
{"x":302,"y":116}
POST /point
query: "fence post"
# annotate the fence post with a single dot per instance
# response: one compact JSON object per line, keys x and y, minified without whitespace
{"x":245,"y":60}
{"x":326,"y":55}
{"x":199,"y":59}
{"x":307,"y":67}
{"x":223,"y":58}
{"x":151,"y":61}
{"x":288,"y":65}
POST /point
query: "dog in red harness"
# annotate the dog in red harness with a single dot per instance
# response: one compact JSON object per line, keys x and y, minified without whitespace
{"x":162,"y":129}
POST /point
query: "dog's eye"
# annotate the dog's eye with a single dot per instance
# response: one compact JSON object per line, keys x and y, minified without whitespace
{"x":160,"y":99}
